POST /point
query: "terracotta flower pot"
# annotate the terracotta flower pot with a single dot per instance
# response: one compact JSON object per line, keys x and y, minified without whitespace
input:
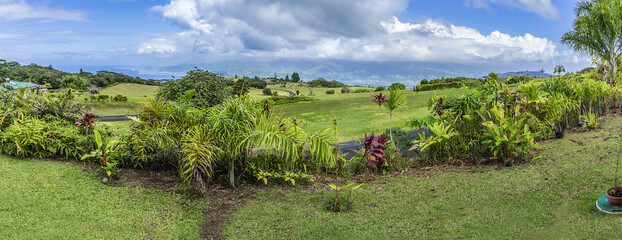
{"x":614,"y":200}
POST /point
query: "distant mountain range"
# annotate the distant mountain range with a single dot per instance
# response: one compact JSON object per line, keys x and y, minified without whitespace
{"x":366,"y":73}
{"x":536,"y":74}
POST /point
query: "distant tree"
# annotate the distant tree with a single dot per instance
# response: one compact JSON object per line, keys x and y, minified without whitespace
{"x":424,"y":81}
{"x":378,"y":89}
{"x":297,"y":93}
{"x":559,"y":69}
{"x":542,"y":70}
{"x":287,"y":78}
{"x":596,"y":32}
{"x":241,"y":87}
{"x":397,"y":86}
{"x":295,"y":77}
{"x":236,"y":76}
{"x":267,"y":91}
{"x":209,"y":88}
{"x":74,"y":81}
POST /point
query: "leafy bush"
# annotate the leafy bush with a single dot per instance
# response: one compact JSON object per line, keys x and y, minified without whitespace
{"x":346,"y":89}
{"x":397,"y":86}
{"x":267,"y":91}
{"x":209,"y":88}
{"x":362,"y":90}
{"x":119,"y":98}
{"x":378,"y":89}
{"x":330,"y":91}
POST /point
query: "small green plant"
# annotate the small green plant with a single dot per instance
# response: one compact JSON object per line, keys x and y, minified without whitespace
{"x":103,"y":152}
{"x":341,"y":201}
{"x":330,"y":91}
{"x":588,"y":121}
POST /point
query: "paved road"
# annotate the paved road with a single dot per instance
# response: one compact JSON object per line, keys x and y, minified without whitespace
{"x":351,"y":148}
{"x":291,"y":94}
{"x":117,"y":118}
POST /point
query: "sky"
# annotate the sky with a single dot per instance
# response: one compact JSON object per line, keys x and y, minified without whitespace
{"x":356,"y":39}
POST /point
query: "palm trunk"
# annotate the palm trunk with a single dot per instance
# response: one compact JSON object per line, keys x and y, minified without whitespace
{"x":391,"y":128}
{"x":379,"y":111}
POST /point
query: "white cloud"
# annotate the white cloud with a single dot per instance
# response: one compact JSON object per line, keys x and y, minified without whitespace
{"x":160,"y":46}
{"x":544,"y":8}
{"x":12,"y":10}
{"x":364,"y":30}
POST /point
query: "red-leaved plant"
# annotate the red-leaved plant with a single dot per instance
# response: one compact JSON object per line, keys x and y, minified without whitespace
{"x":379,"y":99}
{"x":374,"y":149}
{"x":87,"y":120}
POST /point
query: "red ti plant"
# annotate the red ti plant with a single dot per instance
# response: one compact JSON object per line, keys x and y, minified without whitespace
{"x":379,"y":99}
{"x":374,"y":149}
{"x":87,"y":120}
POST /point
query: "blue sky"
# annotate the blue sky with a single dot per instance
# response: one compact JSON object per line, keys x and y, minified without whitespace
{"x":147,"y":37}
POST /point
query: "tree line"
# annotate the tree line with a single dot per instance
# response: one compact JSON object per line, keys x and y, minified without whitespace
{"x":59,"y":79}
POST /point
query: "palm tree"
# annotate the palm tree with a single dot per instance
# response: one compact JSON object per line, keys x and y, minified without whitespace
{"x":396,"y":100}
{"x":559,"y":69}
{"x":596,"y":32}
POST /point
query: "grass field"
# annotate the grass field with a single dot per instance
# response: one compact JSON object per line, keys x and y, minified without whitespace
{"x":356,"y":115}
{"x":553,"y":198}
{"x":136,"y":94}
{"x":55,"y":200}
{"x":318,"y":93}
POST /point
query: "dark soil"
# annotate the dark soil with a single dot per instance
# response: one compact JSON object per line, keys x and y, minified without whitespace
{"x":617,"y":193}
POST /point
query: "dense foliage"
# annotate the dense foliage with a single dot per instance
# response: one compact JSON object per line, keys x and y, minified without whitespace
{"x":321,"y":82}
{"x":209,"y":88}
{"x":503,"y":121}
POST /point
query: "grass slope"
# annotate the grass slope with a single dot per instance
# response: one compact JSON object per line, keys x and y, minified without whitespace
{"x":356,"y":116}
{"x":553,"y":198}
{"x":136,"y":94}
{"x":54,"y":200}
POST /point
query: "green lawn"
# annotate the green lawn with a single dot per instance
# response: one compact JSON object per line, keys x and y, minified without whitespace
{"x":318,"y":93}
{"x":357,"y":116}
{"x":552,"y":198}
{"x":136,"y":94}
{"x":56,"y":200}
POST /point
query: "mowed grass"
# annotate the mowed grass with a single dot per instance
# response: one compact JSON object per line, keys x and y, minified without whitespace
{"x":357,"y":115}
{"x":318,"y":93}
{"x":552,"y":198}
{"x":55,"y":200}
{"x":136,"y":94}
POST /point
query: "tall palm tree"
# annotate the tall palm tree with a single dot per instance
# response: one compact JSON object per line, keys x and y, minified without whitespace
{"x":597,"y":32}
{"x":396,"y":100}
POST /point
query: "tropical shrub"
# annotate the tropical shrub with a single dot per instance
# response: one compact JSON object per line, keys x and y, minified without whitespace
{"x":330,"y":91}
{"x":209,"y":88}
{"x":378,"y":89}
{"x":397,"y":86}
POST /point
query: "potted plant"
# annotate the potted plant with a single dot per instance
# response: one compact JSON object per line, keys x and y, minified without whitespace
{"x":615,"y":193}
{"x":559,"y":131}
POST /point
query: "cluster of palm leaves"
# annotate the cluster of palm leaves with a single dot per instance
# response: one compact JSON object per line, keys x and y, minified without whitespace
{"x":204,"y":143}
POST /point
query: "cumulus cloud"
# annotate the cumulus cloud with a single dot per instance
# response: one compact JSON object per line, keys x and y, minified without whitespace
{"x":12,"y":10}
{"x":544,"y":8}
{"x":364,"y":30}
